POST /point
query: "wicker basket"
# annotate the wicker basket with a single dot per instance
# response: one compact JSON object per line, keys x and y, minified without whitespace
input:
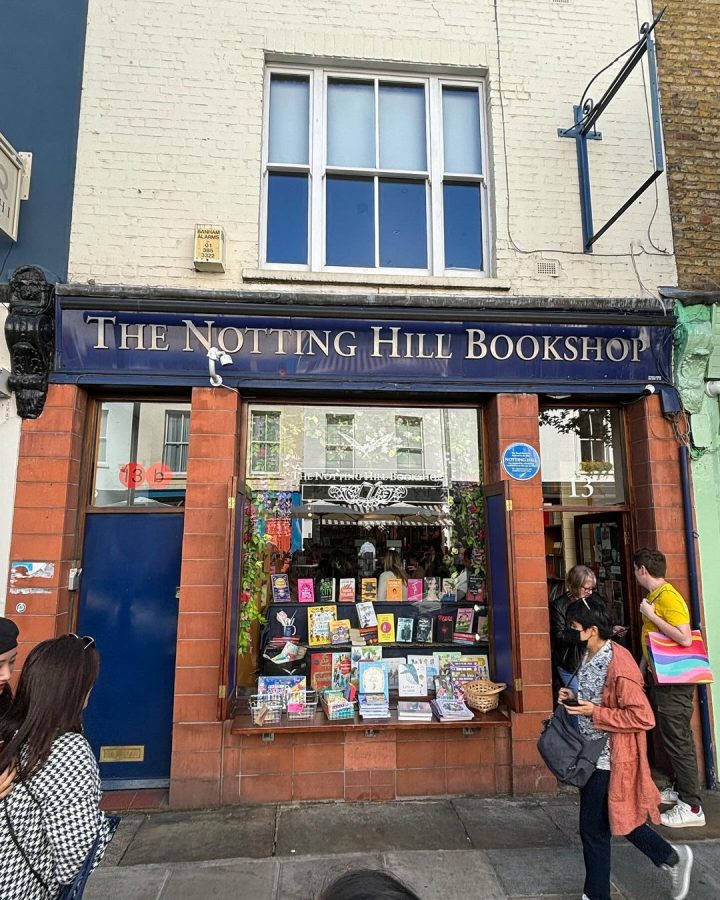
{"x":483,"y":694}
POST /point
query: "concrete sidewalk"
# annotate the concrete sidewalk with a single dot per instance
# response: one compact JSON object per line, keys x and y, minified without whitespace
{"x":444,"y":849}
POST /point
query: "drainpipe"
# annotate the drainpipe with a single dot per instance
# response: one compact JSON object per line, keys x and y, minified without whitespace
{"x":690,"y":536}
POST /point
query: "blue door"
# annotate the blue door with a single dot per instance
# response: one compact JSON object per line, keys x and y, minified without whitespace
{"x":128,"y":603}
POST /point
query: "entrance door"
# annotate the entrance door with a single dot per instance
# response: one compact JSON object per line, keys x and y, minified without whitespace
{"x":128,"y":603}
{"x":600,"y":540}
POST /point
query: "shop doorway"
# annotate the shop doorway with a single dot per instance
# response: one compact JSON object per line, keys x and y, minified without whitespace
{"x":129,"y":588}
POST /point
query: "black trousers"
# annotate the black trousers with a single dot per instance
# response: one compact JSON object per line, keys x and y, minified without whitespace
{"x":596,"y":837}
{"x":673,"y":705}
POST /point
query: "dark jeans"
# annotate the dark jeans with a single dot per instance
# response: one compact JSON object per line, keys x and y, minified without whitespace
{"x":673,"y":705}
{"x":596,"y":838}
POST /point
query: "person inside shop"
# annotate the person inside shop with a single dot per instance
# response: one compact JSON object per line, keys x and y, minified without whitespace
{"x":366,"y":559}
{"x":392,"y":568}
{"x":413,"y":566}
{"x":567,"y":651}
{"x":434,"y":565}
{"x":664,"y":609}
{"x":8,"y":656}
{"x":620,"y":796}
{"x":461,"y":582}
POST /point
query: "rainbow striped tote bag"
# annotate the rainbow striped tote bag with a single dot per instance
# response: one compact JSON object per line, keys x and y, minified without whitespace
{"x":673,"y":664}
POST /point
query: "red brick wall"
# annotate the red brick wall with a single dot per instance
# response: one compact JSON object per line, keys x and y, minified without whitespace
{"x":510,"y":418}
{"x":45,"y":520}
{"x":197,"y":734}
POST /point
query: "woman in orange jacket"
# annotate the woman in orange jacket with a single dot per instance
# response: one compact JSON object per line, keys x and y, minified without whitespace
{"x":620,"y":796}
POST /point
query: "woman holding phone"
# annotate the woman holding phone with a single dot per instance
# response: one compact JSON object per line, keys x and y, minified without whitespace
{"x":620,"y":795}
{"x":51,"y":819}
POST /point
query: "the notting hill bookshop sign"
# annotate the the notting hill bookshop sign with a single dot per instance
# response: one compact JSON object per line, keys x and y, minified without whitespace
{"x":102,"y":345}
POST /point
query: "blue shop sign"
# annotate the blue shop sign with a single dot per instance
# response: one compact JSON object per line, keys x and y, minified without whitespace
{"x":101,"y":346}
{"x":521,"y":461}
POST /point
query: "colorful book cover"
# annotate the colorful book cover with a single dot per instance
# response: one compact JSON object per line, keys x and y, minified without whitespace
{"x":372,"y":677}
{"x":341,"y":670}
{"x":290,"y":687}
{"x":445,"y":624}
{"x":460,"y":637}
{"x":280,"y":587}
{"x":339,"y":632}
{"x":326,"y":590}
{"x":428,"y":661}
{"x":320,"y":671}
{"x":369,"y":634}
{"x":319,"y":619}
{"x":394,"y":589}
{"x":412,"y":681}
{"x":346,"y":592}
{"x":476,"y":589}
{"x":464,"y":619}
{"x":424,"y":630}
{"x":444,"y":658}
{"x":481,"y":660}
{"x":306,"y":590}
{"x":392,"y":665}
{"x":431,"y":589}
{"x":449,"y":591}
{"x":363,"y":654}
{"x":386,"y":628}
{"x":405,"y":630}
{"x":415,"y":589}
{"x":366,"y":614}
{"x":368,"y":590}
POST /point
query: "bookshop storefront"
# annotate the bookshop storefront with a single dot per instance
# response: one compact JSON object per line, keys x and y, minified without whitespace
{"x":383,"y":489}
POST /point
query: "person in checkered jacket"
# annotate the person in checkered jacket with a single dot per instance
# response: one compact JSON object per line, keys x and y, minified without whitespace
{"x":51,"y":818}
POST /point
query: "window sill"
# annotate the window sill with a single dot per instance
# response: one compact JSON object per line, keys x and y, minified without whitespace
{"x":301,"y":276}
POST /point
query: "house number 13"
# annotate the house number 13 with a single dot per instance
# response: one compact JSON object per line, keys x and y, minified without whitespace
{"x":587,"y":487}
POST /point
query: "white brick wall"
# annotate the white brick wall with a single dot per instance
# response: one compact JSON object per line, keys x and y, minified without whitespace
{"x":171,"y":130}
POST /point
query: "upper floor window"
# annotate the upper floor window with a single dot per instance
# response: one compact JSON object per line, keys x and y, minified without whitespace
{"x":339,"y":443}
{"x":177,"y":438}
{"x":408,"y":432}
{"x":265,"y":443}
{"x":374,"y":173}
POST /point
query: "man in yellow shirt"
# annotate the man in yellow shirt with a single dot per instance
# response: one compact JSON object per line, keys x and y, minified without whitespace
{"x":664,"y":610}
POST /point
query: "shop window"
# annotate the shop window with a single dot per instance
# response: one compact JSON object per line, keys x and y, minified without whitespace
{"x":138,"y":446}
{"x":339,"y":443}
{"x":361,"y":170}
{"x":177,"y":438}
{"x":582,"y":457}
{"x":408,"y":431}
{"x":265,"y":443}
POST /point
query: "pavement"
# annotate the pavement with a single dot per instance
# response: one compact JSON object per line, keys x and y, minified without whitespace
{"x":445,"y":849}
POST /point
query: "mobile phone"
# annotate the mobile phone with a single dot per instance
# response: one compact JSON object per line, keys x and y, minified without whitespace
{"x":571,"y":701}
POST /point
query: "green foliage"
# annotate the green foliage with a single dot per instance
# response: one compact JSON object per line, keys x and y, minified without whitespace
{"x":253,"y":581}
{"x":468,"y":514}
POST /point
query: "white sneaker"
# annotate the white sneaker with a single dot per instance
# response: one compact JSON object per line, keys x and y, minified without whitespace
{"x":669,"y":795}
{"x":682,"y":816}
{"x":680,"y":872}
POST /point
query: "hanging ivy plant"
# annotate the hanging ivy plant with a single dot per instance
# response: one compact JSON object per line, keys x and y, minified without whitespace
{"x":468,"y":512}
{"x":254,"y":580}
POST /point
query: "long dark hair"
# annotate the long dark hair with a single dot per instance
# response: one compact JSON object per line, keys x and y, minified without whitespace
{"x":51,"y":693}
{"x":367,"y":884}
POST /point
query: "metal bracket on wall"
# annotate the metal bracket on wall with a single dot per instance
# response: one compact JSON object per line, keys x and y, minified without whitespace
{"x":583,"y":130}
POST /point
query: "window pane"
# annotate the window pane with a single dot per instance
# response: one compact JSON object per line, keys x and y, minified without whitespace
{"x":461,"y":131}
{"x":350,"y":222}
{"x":403,"y":230}
{"x":289,"y":119}
{"x":287,"y":239}
{"x":462,"y":226}
{"x":402,"y":127}
{"x":351,"y":124}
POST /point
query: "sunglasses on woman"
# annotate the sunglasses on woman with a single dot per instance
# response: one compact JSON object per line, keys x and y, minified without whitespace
{"x":87,"y":641}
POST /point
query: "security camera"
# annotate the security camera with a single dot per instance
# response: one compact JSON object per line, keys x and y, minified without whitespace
{"x":712,"y":388}
{"x":649,"y":389}
{"x":214,"y":355}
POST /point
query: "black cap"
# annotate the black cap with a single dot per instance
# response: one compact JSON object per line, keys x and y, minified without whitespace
{"x":8,"y":635}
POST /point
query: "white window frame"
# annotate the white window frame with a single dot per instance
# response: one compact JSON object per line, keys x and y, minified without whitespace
{"x":350,"y":446}
{"x":102,"y":460}
{"x":185,"y":416}
{"x":399,"y":447}
{"x":264,"y":472}
{"x":435,"y":178}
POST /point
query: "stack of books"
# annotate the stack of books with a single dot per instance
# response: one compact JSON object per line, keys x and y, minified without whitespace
{"x":451,"y":710}
{"x":414,"y":711}
{"x":373,"y":693}
{"x":373,"y":706}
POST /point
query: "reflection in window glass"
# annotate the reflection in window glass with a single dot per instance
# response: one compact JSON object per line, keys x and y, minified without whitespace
{"x":141,"y":454}
{"x":339,"y":443}
{"x":265,"y":443}
{"x":409,"y":443}
{"x":582,"y":457}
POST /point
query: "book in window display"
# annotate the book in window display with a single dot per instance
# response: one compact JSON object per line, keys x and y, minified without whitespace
{"x":445,"y":625}
{"x":326,"y":590}
{"x":321,"y":671}
{"x":280,"y":588}
{"x":368,"y":590}
{"x":319,"y":619}
{"x":432,"y":589}
{"x":393,"y":590}
{"x":404,"y":630}
{"x":346,"y":590}
{"x":289,"y":688}
{"x":415,"y":589}
{"x":373,"y":691}
{"x":424,"y":630}
{"x":392,"y":664}
{"x":339,"y":632}
{"x":414,"y":711}
{"x":464,"y":618}
{"x":449,"y":591}
{"x":366,"y":614}
{"x":412,"y":681}
{"x":341,"y":670}
{"x":427,"y":661}
{"x":476,"y":589}
{"x":386,"y":628}
{"x":306,"y":590}
{"x":363,"y":654}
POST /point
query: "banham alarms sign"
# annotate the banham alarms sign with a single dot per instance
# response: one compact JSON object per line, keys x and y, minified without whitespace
{"x":14,"y":185}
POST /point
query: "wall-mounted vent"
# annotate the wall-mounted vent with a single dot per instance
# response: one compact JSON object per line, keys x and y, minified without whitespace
{"x":548,"y":266}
